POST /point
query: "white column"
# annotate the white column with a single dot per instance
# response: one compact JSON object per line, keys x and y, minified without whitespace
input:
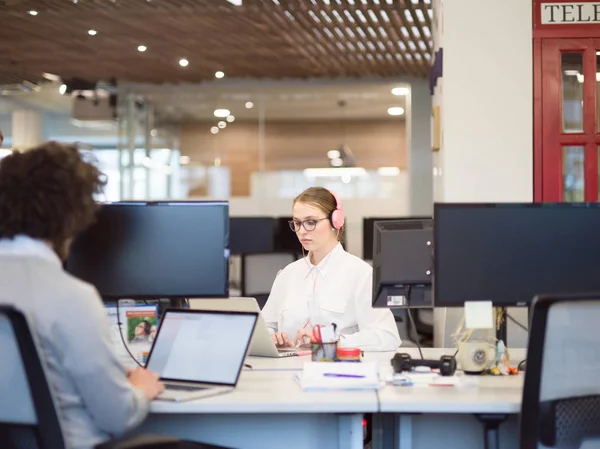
{"x":486,"y":101}
{"x":26,"y":129}
{"x":419,"y":159}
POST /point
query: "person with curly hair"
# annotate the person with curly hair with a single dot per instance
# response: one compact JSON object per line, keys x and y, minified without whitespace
{"x":46,"y":198}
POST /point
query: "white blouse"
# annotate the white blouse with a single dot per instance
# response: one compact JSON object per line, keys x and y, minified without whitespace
{"x":338,"y":290}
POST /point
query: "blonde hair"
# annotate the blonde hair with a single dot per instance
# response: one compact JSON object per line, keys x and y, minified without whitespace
{"x":322,"y":199}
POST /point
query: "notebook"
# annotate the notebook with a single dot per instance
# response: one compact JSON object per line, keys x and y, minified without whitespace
{"x":262,"y":344}
{"x":200,"y":353}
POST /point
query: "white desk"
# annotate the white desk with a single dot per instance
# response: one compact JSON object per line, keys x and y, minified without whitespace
{"x":268,"y":409}
{"x":409,"y":414}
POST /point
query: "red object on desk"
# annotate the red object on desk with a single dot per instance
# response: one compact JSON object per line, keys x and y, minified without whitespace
{"x":348,"y":354}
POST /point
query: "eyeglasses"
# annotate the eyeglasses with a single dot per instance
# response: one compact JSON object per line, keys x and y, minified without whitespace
{"x":309,"y":225}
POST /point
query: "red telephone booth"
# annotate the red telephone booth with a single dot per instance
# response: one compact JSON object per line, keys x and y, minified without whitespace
{"x":566,"y":100}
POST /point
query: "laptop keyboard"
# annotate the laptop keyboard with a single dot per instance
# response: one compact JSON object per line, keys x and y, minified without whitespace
{"x":184,"y":387}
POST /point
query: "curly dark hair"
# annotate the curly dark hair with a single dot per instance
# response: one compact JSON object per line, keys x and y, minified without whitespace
{"x":47,"y":193}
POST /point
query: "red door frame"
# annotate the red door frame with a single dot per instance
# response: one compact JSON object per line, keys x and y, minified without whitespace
{"x":541,"y":33}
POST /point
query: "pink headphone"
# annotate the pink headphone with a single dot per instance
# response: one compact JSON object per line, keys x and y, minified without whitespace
{"x":337,"y":216}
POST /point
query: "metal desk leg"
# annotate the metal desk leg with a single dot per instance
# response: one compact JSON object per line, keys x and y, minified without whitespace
{"x":491,"y":432}
{"x":350,"y":431}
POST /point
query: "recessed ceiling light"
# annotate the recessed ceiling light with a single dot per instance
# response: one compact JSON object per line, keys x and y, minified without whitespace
{"x":222,"y":113}
{"x":92,"y":32}
{"x":219,"y":74}
{"x":333,"y":154}
{"x":62,"y":89}
{"x":184,"y":62}
{"x":184,"y":160}
{"x":33,"y":12}
{"x":75,"y":1}
{"x":51,"y":77}
{"x":214,"y":130}
{"x":221,"y":124}
{"x":153,"y":133}
{"x":249,"y":105}
{"x":396,"y":110}
{"x":235,"y":2}
{"x":400,"y":91}
{"x":144,"y":48}
{"x":230,"y":118}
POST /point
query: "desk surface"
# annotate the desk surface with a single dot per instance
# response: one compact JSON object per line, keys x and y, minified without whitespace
{"x":270,"y":388}
{"x":274,"y":392}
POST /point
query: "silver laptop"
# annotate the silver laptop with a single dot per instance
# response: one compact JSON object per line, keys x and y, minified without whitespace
{"x":262,"y":344}
{"x":200,"y":353}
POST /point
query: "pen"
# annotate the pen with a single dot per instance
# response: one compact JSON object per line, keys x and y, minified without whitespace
{"x":352,"y":376}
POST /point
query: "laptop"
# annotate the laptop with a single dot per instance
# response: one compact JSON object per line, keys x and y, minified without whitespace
{"x":262,"y":344}
{"x":200,"y":353}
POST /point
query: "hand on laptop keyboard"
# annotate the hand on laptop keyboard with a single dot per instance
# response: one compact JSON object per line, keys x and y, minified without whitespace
{"x":146,"y":381}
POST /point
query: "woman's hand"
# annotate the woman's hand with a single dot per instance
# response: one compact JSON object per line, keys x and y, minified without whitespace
{"x":303,"y":338}
{"x":281,"y":339}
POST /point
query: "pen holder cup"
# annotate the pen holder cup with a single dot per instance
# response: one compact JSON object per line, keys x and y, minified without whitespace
{"x":324,"y":352}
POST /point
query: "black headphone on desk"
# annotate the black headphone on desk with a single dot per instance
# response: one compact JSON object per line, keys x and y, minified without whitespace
{"x":403,"y":362}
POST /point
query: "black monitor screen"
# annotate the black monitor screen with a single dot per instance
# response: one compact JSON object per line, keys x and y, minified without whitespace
{"x":368,"y":229}
{"x":508,"y":253}
{"x":155,"y":250}
{"x":251,"y":234}
{"x":286,"y":239}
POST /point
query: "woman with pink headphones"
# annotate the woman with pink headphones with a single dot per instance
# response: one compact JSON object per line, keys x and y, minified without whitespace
{"x":327,"y":286}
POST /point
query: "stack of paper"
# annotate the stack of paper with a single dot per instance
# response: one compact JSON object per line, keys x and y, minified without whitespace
{"x":339,"y":376}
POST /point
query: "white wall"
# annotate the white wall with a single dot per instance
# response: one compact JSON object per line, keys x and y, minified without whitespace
{"x":486,"y":99}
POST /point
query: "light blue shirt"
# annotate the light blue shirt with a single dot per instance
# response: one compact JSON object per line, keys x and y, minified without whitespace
{"x":94,"y":401}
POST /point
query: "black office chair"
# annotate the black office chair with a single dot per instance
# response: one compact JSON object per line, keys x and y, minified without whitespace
{"x":561,"y":395}
{"x":28,"y":419}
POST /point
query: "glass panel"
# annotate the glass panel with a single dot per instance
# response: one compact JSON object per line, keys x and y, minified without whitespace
{"x":573,"y":174}
{"x":572,"y":92}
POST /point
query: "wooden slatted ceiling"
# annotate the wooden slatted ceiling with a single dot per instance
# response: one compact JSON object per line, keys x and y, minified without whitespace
{"x":261,"y":39}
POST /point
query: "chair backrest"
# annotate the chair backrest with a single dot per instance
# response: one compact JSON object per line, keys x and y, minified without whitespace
{"x":259,"y":270}
{"x":561,"y":395}
{"x":28,"y":419}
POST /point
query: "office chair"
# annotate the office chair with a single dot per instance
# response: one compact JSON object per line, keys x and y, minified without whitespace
{"x":28,"y":419}
{"x":259,"y":271}
{"x":561,"y":395}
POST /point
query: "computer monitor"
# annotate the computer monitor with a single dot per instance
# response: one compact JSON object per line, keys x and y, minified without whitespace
{"x":251,"y":235}
{"x":285,"y":238}
{"x":402,"y":263}
{"x":154,"y":250}
{"x":368,"y":230}
{"x":508,"y":253}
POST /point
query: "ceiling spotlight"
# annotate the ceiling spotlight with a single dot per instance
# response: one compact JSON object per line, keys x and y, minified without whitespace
{"x":184,"y":160}
{"x":400,"y":91}
{"x":33,"y":12}
{"x":221,"y":124}
{"x":51,"y":77}
{"x":75,"y":1}
{"x":396,"y":110}
{"x":62,"y":89}
{"x":337,"y":162}
{"x":219,"y":74}
{"x":214,"y":130}
{"x":92,"y":32}
{"x":230,"y":118}
{"x":184,"y":62}
{"x":249,"y":105}
{"x":333,"y":154}
{"x":144,"y":48}
{"x":222,"y":113}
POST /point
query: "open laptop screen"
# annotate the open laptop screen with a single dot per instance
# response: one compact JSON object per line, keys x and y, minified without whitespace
{"x":202,"y":346}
